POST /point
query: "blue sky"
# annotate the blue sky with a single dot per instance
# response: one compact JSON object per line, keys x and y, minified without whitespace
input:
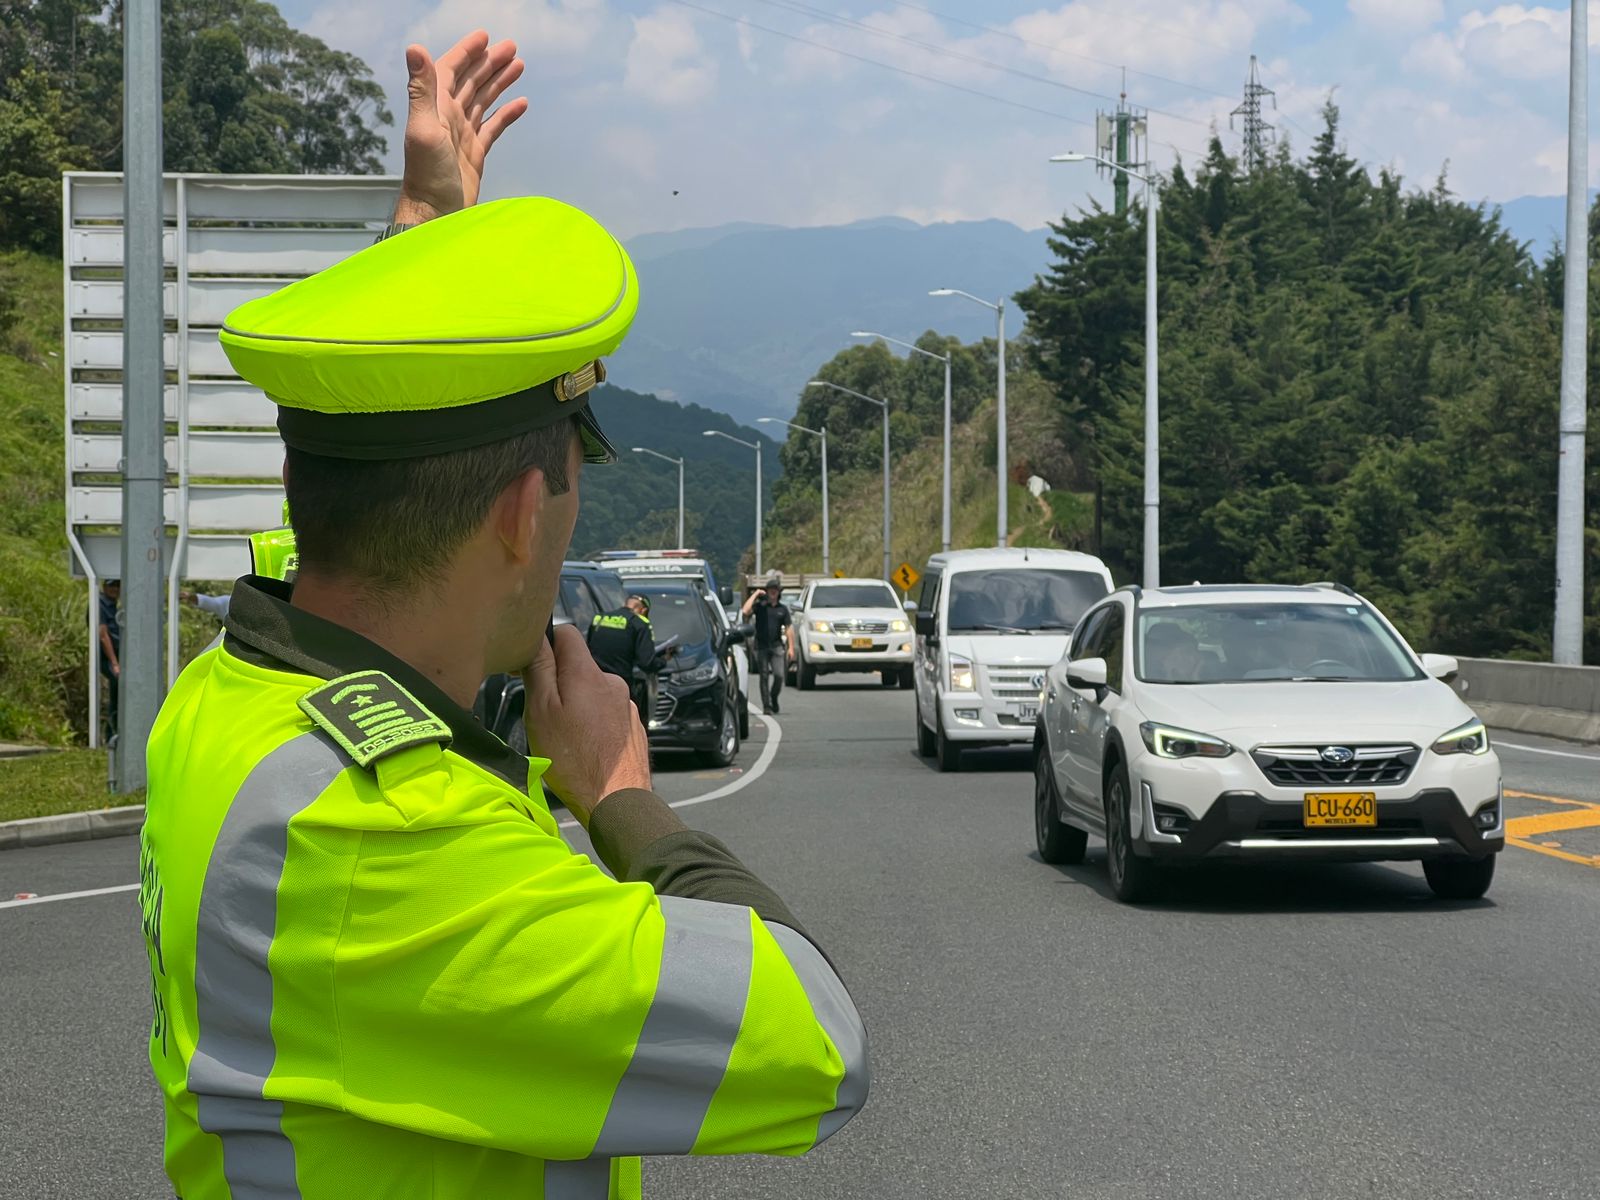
{"x":813,"y":112}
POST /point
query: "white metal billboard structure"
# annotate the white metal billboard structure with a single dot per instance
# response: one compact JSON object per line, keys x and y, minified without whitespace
{"x":228,"y":238}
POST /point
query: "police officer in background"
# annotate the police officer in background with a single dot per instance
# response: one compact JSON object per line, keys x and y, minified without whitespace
{"x":772,"y":622}
{"x":376,"y":968}
{"x":623,"y":643}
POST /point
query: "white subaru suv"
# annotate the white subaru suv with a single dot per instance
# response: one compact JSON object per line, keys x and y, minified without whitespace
{"x":852,"y":625}
{"x":1260,"y":721}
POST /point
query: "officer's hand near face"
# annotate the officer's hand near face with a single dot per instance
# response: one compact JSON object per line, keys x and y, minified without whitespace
{"x":583,"y":721}
{"x":449,"y":128}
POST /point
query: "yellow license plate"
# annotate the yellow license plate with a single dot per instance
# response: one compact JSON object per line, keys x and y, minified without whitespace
{"x":1340,"y":808}
{"x":861,"y":643}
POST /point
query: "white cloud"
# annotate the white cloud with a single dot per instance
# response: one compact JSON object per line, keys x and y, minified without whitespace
{"x":1397,"y":16}
{"x":547,"y":32}
{"x":667,"y":63}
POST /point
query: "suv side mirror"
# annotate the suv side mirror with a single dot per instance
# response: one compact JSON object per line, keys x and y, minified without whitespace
{"x":736,"y":635}
{"x":1441,"y":666}
{"x":910,"y":606}
{"x":1087,"y":674}
{"x":725,"y":596}
{"x":927,"y":625}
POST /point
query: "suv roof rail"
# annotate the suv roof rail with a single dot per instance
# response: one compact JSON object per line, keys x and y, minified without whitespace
{"x":1134,"y":588}
{"x":1338,"y":587}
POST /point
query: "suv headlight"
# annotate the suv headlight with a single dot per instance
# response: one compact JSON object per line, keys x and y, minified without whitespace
{"x":899,"y":626}
{"x":1166,"y":742}
{"x":821,"y":627}
{"x":1471,"y":738}
{"x":701,"y":673}
{"x":961,"y":679}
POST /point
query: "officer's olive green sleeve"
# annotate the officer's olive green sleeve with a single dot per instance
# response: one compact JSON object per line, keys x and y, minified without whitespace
{"x":640,"y":839}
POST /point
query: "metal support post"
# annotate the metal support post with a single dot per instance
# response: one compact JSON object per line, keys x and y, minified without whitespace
{"x":1568,"y":639}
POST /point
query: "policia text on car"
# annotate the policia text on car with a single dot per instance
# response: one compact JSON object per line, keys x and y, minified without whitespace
{"x":377,"y":969}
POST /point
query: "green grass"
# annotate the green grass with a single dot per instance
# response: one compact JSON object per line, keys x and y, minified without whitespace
{"x":43,"y":785}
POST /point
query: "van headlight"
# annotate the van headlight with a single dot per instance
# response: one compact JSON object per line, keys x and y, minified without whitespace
{"x":1471,"y":738}
{"x":899,"y":626}
{"x":1166,"y":742}
{"x":961,"y":679}
{"x":821,"y":627}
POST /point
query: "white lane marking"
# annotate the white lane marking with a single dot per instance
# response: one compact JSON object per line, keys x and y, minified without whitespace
{"x":769,"y":751}
{"x":1497,"y":742}
{"x":124,"y":887}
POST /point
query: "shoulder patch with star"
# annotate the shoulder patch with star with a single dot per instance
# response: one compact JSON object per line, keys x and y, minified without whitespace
{"x":370,"y":716}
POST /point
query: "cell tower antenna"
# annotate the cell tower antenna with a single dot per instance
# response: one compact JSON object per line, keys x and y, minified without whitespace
{"x":1257,"y":133}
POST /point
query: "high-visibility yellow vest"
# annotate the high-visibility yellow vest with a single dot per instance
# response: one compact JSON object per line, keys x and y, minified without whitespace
{"x":378,"y":971}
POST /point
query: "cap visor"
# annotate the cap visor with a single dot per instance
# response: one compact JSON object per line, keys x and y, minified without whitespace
{"x":597,"y":448}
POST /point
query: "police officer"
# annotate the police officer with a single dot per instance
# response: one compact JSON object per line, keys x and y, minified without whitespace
{"x":624,"y":645}
{"x":377,"y":970}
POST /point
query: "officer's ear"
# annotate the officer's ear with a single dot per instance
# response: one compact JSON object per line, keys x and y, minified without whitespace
{"x":517,"y":513}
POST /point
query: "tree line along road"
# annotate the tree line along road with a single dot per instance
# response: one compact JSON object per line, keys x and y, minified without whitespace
{"x":1264,"y":1031}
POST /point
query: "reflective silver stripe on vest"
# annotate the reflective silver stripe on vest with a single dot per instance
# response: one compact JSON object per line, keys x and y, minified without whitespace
{"x":587,"y":1179}
{"x":233,"y":986}
{"x":837,"y":1015}
{"x":688,"y":1035}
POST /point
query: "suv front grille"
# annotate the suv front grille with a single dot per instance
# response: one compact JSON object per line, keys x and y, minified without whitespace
{"x":1305,"y":766}
{"x":666,"y":705}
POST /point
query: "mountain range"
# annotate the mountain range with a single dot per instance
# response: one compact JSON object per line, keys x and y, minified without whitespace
{"x":737,"y":317}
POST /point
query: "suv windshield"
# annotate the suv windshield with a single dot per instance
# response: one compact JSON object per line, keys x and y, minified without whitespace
{"x":677,"y":613}
{"x":1250,"y":643}
{"x":1021,"y":600}
{"x":853,"y":595}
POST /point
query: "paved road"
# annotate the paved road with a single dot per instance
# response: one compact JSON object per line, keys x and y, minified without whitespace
{"x":1262,"y":1032}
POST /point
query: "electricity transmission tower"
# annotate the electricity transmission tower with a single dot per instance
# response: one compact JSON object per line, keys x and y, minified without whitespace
{"x":1257,"y":133}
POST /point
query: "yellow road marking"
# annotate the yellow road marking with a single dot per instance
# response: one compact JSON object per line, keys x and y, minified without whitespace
{"x":1583,"y":818}
{"x":1518,"y":829}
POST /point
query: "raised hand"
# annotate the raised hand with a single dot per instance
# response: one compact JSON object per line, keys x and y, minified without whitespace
{"x":449,"y":126}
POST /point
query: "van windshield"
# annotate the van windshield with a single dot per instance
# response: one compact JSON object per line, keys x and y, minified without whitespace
{"x":1021,"y":600}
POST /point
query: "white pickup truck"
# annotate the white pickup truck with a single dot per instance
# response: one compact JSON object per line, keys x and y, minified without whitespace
{"x":852,"y":625}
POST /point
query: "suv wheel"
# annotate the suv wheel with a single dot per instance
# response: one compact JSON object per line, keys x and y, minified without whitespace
{"x":908,"y":679}
{"x":1132,"y":878}
{"x":808,"y":676}
{"x":888,"y":677}
{"x":727,"y":747}
{"x":1460,"y":880}
{"x":1057,"y":843}
{"x":926,"y":743}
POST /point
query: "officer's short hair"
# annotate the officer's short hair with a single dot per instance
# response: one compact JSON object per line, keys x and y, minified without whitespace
{"x":642,"y":601}
{"x":393,"y":524}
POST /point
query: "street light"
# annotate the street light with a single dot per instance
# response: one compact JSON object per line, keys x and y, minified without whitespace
{"x":822,"y":433}
{"x":883,"y":404}
{"x":1000,"y":396}
{"x":1152,"y":404}
{"x":756,"y":446}
{"x":679,"y":461}
{"x":945,"y":358}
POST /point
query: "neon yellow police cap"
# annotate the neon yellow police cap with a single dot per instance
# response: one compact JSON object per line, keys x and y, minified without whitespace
{"x":468,"y":329}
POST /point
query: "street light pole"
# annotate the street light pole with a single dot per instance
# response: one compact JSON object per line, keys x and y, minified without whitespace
{"x":884,"y":405}
{"x":756,"y":446}
{"x":944,"y":358}
{"x":827,"y":566}
{"x":999,"y":306}
{"x":1152,"y":368}
{"x":1568,"y":634}
{"x":679,"y":462}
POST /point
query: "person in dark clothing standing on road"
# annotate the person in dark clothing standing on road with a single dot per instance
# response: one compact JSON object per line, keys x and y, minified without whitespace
{"x":622,"y":642}
{"x":110,"y":648}
{"x":771,"y":618}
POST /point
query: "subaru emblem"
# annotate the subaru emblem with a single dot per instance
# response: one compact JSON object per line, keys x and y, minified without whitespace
{"x":1338,"y":756}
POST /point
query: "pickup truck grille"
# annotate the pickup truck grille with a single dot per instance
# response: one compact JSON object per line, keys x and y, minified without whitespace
{"x":1306,"y":766}
{"x":861,"y":626}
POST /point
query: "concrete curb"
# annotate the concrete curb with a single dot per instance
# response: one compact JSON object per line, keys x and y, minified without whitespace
{"x":1561,"y":723}
{"x":71,"y":827}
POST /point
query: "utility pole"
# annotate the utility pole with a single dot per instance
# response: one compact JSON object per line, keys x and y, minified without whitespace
{"x":1256,"y":133}
{"x":1119,"y":138}
{"x":1568,"y":640}
{"x":144,"y":467}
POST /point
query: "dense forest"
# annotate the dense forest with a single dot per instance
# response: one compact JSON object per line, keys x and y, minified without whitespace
{"x":1359,"y":382}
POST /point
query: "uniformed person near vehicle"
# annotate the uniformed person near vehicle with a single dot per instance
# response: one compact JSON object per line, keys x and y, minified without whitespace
{"x":772,"y":622}
{"x":376,"y":968}
{"x":624,"y":645}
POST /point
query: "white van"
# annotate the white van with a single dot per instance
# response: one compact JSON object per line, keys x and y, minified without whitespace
{"x":988,"y":624}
